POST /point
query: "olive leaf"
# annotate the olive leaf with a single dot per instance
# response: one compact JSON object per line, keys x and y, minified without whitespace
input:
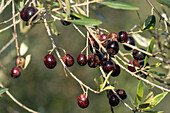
{"x":140,"y":91}
{"x":150,"y":50}
{"x":3,"y":90}
{"x":149,"y":23}
{"x":119,"y":5}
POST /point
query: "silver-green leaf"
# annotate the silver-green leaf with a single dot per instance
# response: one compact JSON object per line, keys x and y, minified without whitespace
{"x":119,"y":5}
{"x":3,"y":90}
{"x":140,"y":91}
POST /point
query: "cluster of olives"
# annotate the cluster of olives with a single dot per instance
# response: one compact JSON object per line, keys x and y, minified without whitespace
{"x":109,"y":41}
{"x":25,"y":14}
{"x":16,"y":71}
{"x":113,"y":99}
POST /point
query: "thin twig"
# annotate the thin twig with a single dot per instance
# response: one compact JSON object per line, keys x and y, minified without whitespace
{"x":4,"y":22}
{"x":78,"y":5}
{"x":54,"y":46}
{"x":1,"y":10}
{"x":6,"y":45}
{"x":17,"y":102}
{"x":162,"y":18}
{"x":15,"y":31}
{"x":4,"y":29}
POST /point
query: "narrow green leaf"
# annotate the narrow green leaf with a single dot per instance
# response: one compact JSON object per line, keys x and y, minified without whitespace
{"x":108,"y":87}
{"x":79,"y":15}
{"x":54,"y":29}
{"x":40,"y":5}
{"x":143,"y":106}
{"x":95,"y":80}
{"x":149,"y":23}
{"x":158,"y":64}
{"x":101,"y":86}
{"x":101,"y":79}
{"x":27,"y":61}
{"x":156,"y":100}
{"x":54,"y":4}
{"x":119,"y":5}
{"x":151,"y":45}
{"x":140,"y":91}
{"x":142,"y":41}
{"x":165,"y":2}
{"x":157,"y":73}
{"x":23,"y":48}
{"x":150,"y":50}
{"x":84,"y":20}
{"x":107,"y":78}
{"x":3,"y":90}
{"x":149,"y":97}
{"x":67,"y":8}
{"x":72,"y":4}
{"x":21,"y":5}
{"x":88,"y":22}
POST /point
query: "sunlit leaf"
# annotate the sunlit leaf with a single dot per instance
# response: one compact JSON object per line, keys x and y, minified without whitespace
{"x":88,"y":22}
{"x":149,"y":97}
{"x":54,"y":29}
{"x":108,"y":87}
{"x":80,"y":19}
{"x":21,"y":5}
{"x":3,"y":90}
{"x":140,"y":91}
{"x":158,"y":64}
{"x":107,"y":78}
{"x":150,"y":50}
{"x":142,"y":41}
{"x":149,"y":23}
{"x":80,"y":16}
{"x":156,"y":100}
{"x":101,"y":86}
{"x":27,"y":61}
{"x":67,"y":2}
{"x":40,"y":5}
{"x":23,"y":48}
{"x":151,"y":45}
{"x":119,"y":5}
